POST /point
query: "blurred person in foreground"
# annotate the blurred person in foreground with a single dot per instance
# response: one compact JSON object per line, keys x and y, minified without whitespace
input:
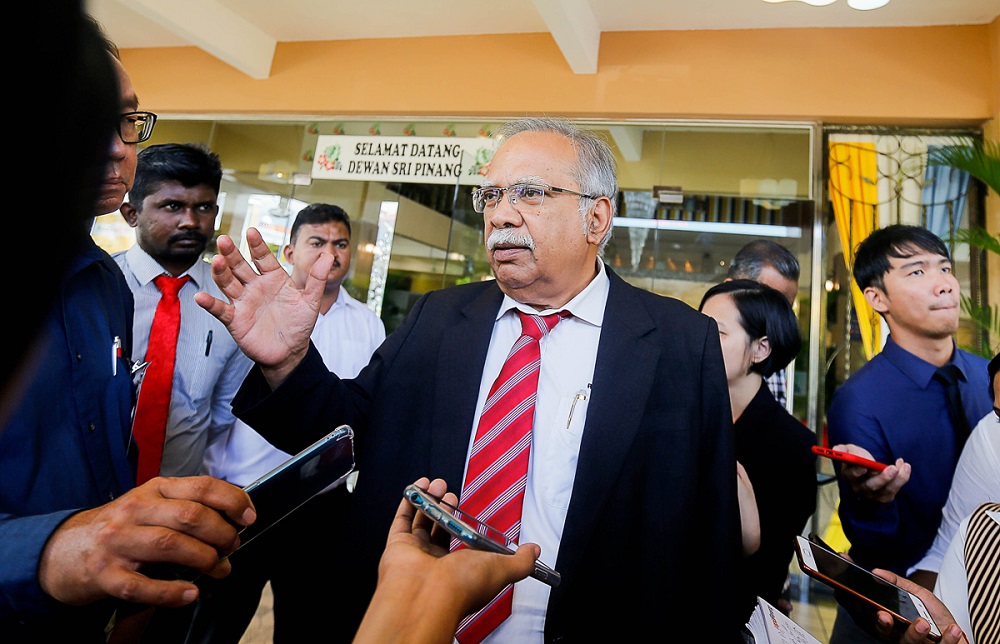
{"x":72,"y":533}
{"x":631,"y":476}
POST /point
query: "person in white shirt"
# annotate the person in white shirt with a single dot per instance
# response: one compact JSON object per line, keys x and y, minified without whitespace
{"x":976,"y":481}
{"x":346,"y":335}
{"x":172,"y":206}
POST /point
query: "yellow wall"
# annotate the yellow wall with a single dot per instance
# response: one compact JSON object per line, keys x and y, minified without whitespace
{"x":919,"y":75}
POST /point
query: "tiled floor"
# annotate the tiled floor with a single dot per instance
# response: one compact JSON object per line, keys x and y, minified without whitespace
{"x":815,"y":615}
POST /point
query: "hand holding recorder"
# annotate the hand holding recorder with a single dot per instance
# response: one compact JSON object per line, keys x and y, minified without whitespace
{"x":417,"y":563}
{"x":862,"y":473}
{"x":892,"y":609}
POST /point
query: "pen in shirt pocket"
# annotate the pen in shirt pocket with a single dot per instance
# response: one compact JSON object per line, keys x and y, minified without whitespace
{"x":580,"y":395}
{"x":208,"y":342}
{"x":116,"y":353}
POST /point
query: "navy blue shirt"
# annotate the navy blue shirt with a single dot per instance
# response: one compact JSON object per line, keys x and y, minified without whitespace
{"x":63,"y":446}
{"x":895,"y":409}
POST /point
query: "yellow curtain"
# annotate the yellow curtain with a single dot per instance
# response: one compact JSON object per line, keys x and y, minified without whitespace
{"x":854,"y":195}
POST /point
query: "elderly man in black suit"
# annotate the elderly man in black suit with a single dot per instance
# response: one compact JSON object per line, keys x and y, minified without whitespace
{"x":630,"y":487}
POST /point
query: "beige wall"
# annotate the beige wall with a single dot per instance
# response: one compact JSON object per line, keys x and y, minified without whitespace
{"x":924,"y":75}
{"x":934,"y":76}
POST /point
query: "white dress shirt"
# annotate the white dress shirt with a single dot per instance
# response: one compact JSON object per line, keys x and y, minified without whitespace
{"x":976,"y":481}
{"x":346,"y":336}
{"x":568,"y":359}
{"x":209,"y":367}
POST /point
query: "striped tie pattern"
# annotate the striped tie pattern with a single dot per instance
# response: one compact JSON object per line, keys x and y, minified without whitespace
{"x":498,"y":466}
{"x":982,"y":565}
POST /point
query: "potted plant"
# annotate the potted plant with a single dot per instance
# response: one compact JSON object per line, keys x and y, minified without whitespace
{"x":981,"y":159}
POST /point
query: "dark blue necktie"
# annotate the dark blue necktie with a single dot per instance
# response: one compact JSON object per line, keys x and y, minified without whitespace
{"x":949,"y":375}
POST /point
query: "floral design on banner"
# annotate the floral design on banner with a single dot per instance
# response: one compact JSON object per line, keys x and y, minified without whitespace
{"x":375,"y":129}
{"x":486,"y":131}
{"x":410,"y":130}
{"x":313,"y":128}
{"x":449,"y":130}
{"x":482,"y":164}
{"x":330,"y":158}
{"x":338,"y":129}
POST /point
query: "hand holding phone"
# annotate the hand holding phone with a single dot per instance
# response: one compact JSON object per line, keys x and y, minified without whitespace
{"x":481,"y":537}
{"x":847,"y":457}
{"x":862,"y":586}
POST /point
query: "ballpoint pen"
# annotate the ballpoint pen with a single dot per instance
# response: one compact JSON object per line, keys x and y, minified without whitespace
{"x":116,"y":353}
{"x":208,"y":342}
{"x":580,"y":395}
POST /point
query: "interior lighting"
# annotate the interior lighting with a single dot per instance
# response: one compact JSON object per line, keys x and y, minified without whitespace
{"x":860,"y":5}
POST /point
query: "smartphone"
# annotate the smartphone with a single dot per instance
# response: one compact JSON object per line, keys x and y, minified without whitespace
{"x":325,"y":464}
{"x":470,"y":531}
{"x":847,"y":457}
{"x":830,"y":568}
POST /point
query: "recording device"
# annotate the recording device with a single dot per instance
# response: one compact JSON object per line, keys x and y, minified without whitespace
{"x":847,"y":457}
{"x":324,"y":464}
{"x":860,"y":585}
{"x":472,"y":532}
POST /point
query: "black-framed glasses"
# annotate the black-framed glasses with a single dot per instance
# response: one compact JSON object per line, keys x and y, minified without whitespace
{"x":528,"y":194}
{"x":136,"y":127}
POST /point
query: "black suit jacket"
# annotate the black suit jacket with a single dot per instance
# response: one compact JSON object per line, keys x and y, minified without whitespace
{"x":652,"y":532}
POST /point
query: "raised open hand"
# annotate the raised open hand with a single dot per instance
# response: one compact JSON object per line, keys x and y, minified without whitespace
{"x":268,"y":316}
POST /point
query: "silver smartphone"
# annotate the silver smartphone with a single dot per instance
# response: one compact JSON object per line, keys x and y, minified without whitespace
{"x":471,"y":531}
{"x":844,"y":575}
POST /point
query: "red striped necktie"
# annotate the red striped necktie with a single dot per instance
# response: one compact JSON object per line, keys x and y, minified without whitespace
{"x":153,"y":407}
{"x":498,"y":466}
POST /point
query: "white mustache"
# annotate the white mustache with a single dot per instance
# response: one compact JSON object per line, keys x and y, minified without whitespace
{"x":509,"y":237}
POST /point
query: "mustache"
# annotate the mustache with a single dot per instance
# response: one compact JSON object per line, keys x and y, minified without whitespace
{"x":198,"y":237}
{"x":509,"y":237}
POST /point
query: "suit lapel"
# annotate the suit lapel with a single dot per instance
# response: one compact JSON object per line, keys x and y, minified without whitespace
{"x":461,"y":360}
{"x":623,"y":378}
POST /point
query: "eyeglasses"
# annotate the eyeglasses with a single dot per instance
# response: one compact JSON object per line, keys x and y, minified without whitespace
{"x":136,"y":127}
{"x":528,"y":194}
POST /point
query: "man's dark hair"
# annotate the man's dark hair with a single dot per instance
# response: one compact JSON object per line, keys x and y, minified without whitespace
{"x":764,"y":311}
{"x":991,"y":369}
{"x":752,"y":258}
{"x":319,"y":213}
{"x":105,"y":41}
{"x":190,"y":164}
{"x":871,"y":260}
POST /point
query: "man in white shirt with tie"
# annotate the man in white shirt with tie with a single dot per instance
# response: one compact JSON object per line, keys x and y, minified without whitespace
{"x":346,"y":334}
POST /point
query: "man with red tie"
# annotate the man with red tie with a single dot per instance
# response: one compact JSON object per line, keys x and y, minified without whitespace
{"x":627,"y":476}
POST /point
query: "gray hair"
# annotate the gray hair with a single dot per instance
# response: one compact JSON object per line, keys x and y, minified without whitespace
{"x":595,"y":168}
{"x":752,"y":258}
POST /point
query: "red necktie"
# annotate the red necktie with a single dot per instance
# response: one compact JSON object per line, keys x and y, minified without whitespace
{"x":153,"y":407}
{"x":498,"y":466}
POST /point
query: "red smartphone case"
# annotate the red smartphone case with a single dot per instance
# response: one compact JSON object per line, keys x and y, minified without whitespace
{"x":847,"y":457}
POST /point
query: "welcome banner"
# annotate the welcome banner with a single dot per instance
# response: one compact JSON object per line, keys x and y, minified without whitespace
{"x":405,"y":159}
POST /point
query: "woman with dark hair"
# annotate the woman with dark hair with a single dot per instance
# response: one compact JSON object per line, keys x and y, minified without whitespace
{"x":760,"y":335}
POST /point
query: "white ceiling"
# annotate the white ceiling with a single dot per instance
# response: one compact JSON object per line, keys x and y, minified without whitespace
{"x":243,"y":33}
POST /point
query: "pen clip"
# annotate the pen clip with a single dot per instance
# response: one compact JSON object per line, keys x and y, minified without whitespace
{"x":580,"y":395}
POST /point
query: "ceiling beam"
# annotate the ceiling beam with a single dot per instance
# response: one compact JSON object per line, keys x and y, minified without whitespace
{"x":574,"y":27}
{"x":628,"y":140}
{"x":214,"y":28}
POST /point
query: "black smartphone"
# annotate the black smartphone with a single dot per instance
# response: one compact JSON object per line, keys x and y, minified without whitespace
{"x":324,"y":464}
{"x":471,"y":531}
{"x":827,"y":566}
